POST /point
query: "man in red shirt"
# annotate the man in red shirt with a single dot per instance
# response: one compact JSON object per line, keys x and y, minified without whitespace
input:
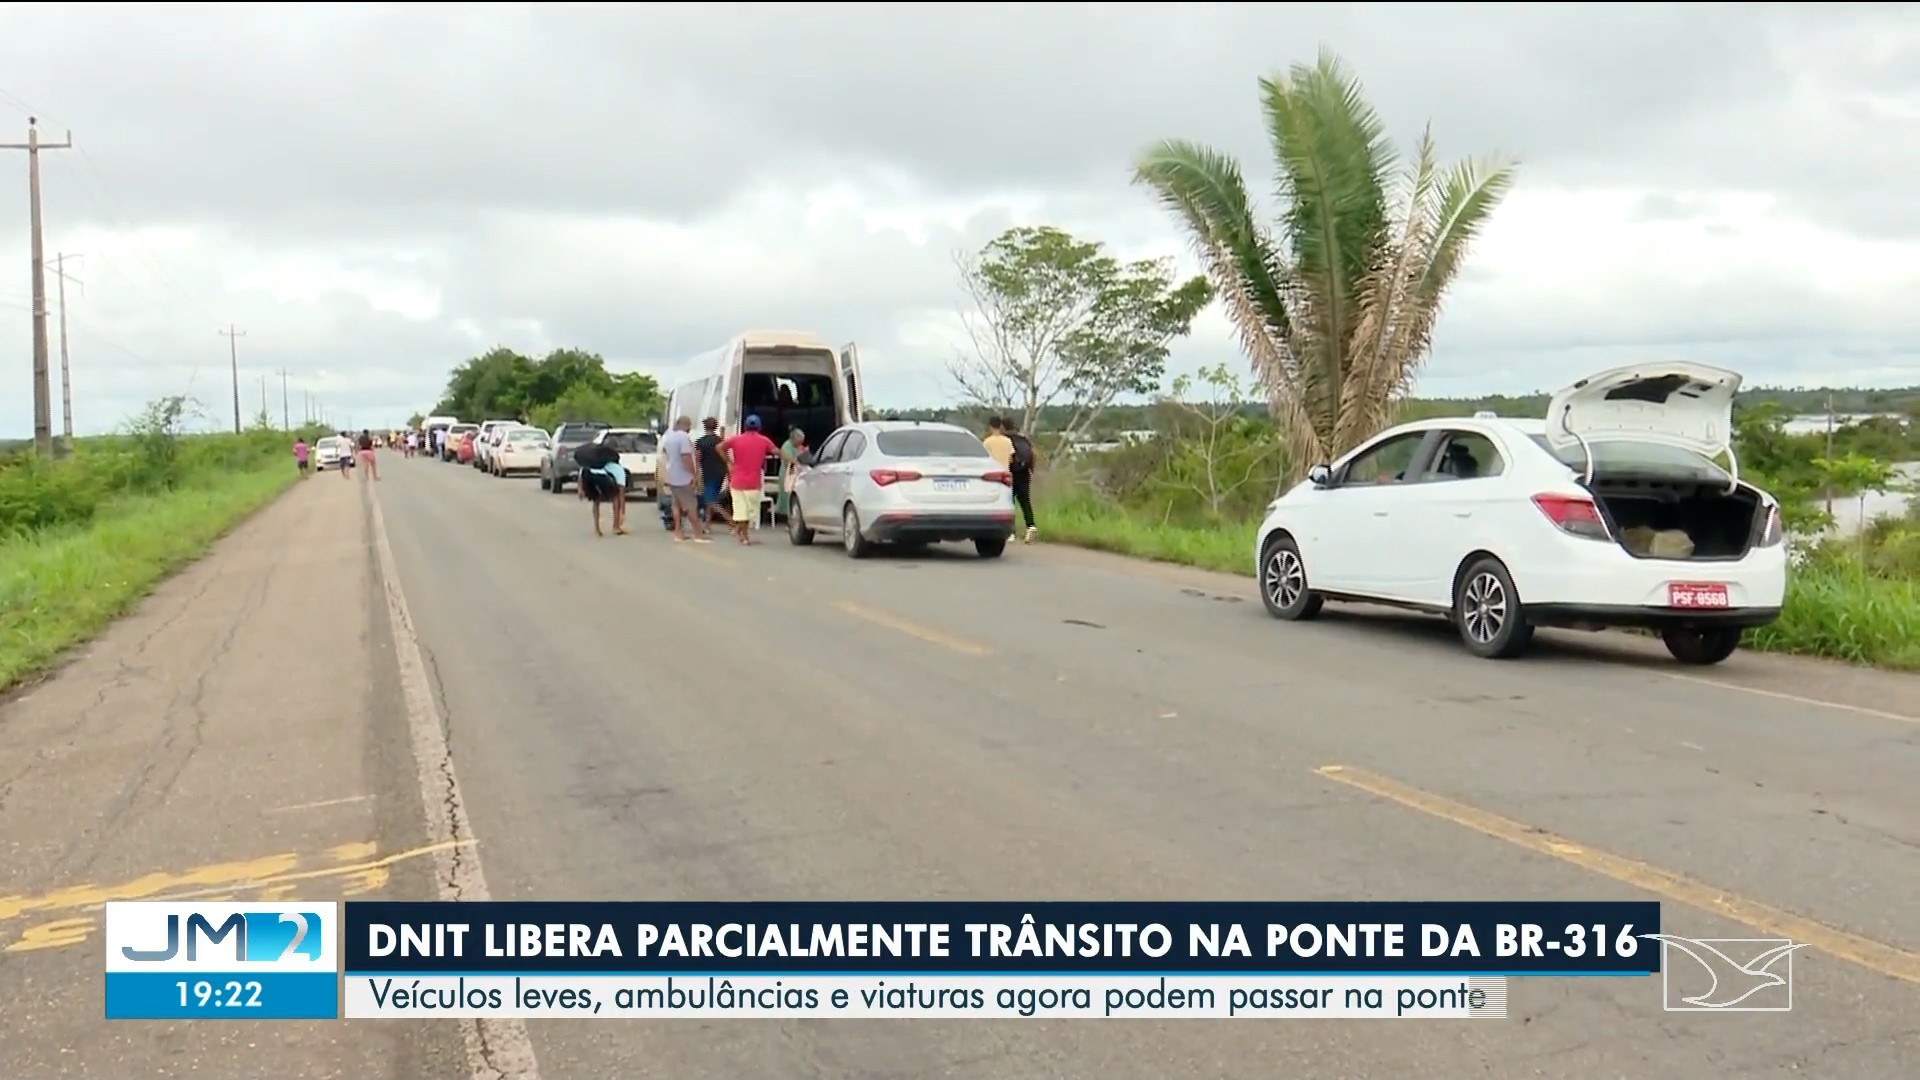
{"x":747,"y":452}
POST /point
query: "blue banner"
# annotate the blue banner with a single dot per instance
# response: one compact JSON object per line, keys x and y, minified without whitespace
{"x":1480,"y":938}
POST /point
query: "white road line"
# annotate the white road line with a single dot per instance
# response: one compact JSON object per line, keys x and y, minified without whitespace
{"x":1795,"y":698}
{"x":323,"y":803}
{"x":497,"y":1049}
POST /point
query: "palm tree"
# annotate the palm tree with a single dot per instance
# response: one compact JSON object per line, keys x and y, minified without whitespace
{"x":1335,"y":304}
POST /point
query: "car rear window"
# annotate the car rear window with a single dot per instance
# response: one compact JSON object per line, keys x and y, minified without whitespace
{"x":929,"y":442}
{"x":633,"y":443}
{"x":1641,"y":458}
{"x":580,"y":431}
{"x":527,"y":435}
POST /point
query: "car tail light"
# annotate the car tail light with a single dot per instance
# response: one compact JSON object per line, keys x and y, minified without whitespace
{"x":1573,"y":515}
{"x":1005,"y":478}
{"x":884,"y":477}
{"x":1771,"y":531}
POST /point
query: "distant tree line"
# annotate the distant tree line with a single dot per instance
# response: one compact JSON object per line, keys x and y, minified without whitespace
{"x":564,"y":385}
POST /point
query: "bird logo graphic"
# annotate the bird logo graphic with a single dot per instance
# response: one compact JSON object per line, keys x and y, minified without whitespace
{"x":1730,"y":981}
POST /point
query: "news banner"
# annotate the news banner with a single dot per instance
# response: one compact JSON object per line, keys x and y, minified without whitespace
{"x":906,"y":960}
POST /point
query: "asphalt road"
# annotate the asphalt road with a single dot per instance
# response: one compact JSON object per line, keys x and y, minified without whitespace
{"x":634,"y":718}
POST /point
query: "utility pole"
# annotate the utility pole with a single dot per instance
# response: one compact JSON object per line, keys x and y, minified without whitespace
{"x":42,"y":395}
{"x":263,"y":400}
{"x":233,"y":334}
{"x":286,"y":418}
{"x":66,"y":366}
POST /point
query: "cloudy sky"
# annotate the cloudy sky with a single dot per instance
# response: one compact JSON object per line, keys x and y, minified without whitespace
{"x":374,"y":192}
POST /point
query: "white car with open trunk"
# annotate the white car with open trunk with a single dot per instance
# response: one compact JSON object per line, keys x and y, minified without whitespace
{"x":1610,"y":512}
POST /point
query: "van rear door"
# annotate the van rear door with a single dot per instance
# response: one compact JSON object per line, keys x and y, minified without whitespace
{"x":850,"y":384}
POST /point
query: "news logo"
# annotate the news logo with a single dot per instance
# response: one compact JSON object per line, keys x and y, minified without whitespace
{"x":1726,"y":974}
{"x":259,"y":937}
{"x":171,"y":960}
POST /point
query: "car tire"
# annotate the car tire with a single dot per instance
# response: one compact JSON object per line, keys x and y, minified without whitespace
{"x":991,"y":547}
{"x":1283,"y":582}
{"x":797,"y":532}
{"x":1488,"y":614}
{"x":1702,"y":645}
{"x":546,"y":482}
{"x":559,"y":485}
{"x":857,"y":545}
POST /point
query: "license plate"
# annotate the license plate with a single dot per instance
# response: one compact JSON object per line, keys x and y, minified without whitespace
{"x":949,"y":484}
{"x":1690,"y":595}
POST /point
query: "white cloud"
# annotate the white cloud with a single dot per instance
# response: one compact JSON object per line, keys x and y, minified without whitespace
{"x":374,"y":194}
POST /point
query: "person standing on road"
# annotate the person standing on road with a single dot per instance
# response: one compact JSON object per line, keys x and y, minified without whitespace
{"x":790,"y":467}
{"x":747,"y":453}
{"x":712,"y":467}
{"x":366,"y":456}
{"x":1015,"y":451}
{"x":682,"y":474}
{"x":300,"y":454}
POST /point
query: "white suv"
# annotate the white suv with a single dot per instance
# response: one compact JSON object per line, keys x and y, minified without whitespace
{"x":1611,"y":512}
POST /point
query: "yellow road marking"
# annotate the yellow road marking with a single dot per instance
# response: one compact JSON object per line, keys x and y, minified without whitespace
{"x":356,"y":879}
{"x":320,"y":804}
{"x":1873,"y":955}
{"x":911,"y":629}
{"x":1795,"y":698}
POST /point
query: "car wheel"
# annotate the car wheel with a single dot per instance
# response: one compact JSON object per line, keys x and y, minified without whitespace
{"x":991,"y":547}
{"x":1488,"y":614}
{"x":858,"y":547}
{"x":1283,"y":582}
{"x":546,"y":482}
{"x":559,"y":485}
{"x":1702,"y":645}
{"x":797,"y":532}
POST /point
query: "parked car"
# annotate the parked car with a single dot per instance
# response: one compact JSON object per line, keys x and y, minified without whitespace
{"x":1611,"y":512}
{"x":639,"y":455}
{"x":902,"y":481}
{"x":486,"y":439}
{"x":456,"y":434}
{"x":334,"y":451}
{"x":519,"y":450}
{"x":557,"y":467}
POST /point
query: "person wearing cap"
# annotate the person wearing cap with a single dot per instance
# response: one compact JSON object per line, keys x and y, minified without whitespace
{"x":747,"y":452}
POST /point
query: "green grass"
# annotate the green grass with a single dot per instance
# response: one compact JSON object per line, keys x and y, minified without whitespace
{"x":1834,"y":609}
{"x":61,"y":586}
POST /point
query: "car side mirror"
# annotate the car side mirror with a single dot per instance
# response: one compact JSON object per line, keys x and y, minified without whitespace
{"x":1320,"y":476}
{"x":806,"y":457}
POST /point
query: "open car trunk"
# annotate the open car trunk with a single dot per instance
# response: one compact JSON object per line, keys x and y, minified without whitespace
{"x":1663,"y":519}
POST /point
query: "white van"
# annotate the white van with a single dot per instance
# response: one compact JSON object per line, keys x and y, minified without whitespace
{"x":788,"y":378}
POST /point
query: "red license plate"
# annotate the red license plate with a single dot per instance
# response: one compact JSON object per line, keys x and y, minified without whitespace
{"x":1685,"y":595}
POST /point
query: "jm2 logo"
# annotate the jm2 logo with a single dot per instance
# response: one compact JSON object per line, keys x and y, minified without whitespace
{"x":258,"y":937}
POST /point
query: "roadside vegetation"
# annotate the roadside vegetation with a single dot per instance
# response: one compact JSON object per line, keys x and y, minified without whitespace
{"x":86,"y":536}
{"x":564,"y":385}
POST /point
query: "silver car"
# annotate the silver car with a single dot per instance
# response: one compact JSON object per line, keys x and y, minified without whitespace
{"x":902,"y":481}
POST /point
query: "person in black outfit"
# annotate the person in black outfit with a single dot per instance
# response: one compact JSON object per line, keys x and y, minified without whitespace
{"x":599,"y":464}
{"x":712,"y":466}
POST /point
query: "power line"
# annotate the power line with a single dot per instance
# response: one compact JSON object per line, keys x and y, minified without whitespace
{"x":42,"y":397}
{"x":233,"y":334}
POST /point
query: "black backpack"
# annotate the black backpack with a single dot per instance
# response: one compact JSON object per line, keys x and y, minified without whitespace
{"x":1022,"y":453}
